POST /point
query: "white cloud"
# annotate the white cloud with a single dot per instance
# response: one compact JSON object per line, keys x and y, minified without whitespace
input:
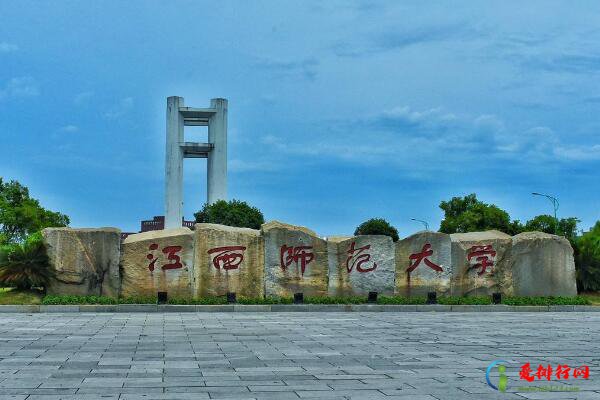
{"x":433,"y":139}
{"x":24,"y":86}
{"x":124,"y":105}
{"x":8,"y":47}
{"x":69,"y":128}
{"x":83,"y":97}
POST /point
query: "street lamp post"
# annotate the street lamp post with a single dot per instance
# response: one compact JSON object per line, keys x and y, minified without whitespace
{"x":423,"y":222}
{"x":555,"y":205}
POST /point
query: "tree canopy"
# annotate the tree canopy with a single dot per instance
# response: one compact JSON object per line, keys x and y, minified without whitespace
{"x":467,"y":214}
{"x":377,"y":226}
{"x":21,"y":215}
{"x":232,"y":213}
{"x":587,"y":259}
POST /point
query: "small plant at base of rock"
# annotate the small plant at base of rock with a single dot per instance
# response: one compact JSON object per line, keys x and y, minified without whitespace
{"x":26,"y":265}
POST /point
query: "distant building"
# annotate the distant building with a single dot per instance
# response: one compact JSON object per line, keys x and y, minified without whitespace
{"x":155,"y":224}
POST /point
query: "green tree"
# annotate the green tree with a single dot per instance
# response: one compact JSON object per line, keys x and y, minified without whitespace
{"x":25,"y":265}
{"x":566,"y":227}
{"x":377,"y":226}
{"x":232,"y":213}
{"x":467,"y":214}
{"x":587,"y":259}
{"x":20,"y":215}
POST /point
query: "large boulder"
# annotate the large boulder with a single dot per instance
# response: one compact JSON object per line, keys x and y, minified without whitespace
{"x":228,"y":259}
{"x":295,"y":261}
{"x":423,"y":264}
{"x":85,"y":261}
{"x":361,"y":264}
{"x":481,"y":263}
{"x":542,"y":265}
{"x":158,"y":261}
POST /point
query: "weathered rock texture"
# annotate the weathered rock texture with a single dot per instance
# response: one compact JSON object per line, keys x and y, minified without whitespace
{"x":423,"y":264}
{"x":360,"y":265}
{"x":228,"y":259}
{"x":86,"y":261}
{"x":481,"y":263}
{"x":158,"y":261}
{"x":295,"y":261}
{"x":542,"y":265}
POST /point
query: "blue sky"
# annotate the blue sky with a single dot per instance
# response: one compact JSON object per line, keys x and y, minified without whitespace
{"x":338,"y":111}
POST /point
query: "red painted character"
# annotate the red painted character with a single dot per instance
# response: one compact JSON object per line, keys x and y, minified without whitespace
{"x":562,"y":372}
{"x":228,"y":257}
{"x":302,"y":254}
{"x":544,"y":372}
{"x":484,"y":255}
{"x":359,"y":259}
{"x":415,"y":259}
{"x":525,"y":373}
{"x":170,"y":251}
{"x":583,"y":372}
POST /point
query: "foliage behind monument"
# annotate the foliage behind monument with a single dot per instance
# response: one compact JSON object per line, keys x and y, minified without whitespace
{"x":231,"y":213}
{"x":21,"y":215}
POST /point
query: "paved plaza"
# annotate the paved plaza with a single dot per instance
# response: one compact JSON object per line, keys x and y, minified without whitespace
{"x":419,"y":356}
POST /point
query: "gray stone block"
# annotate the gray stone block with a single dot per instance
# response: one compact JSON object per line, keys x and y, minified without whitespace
{"x":98,"y":308}
{"x":587,"y":308}
{"x":465,"y":308}
{"x":531,"y":308}
{"x":290,"y":307}
{"x":496,"y":308}
{"x":19,"y":308}
{"x":175,"y":308}
{"x":252,"y":307}
{"x":434,"y":307}
{"x":366,"y":307}
{"x":562,"y":307}
{"x":399,"y":308}
{"x":215,"y":308}
{"x":59,"y":308}
{"x":137,"y":308}
{"x":329,"y":307}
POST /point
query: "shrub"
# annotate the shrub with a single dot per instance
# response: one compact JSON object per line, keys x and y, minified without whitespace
{"x":232,"y":213}
{"x":26,"y":265}
{"x":377,"y":226}
{"x":587,"y":259}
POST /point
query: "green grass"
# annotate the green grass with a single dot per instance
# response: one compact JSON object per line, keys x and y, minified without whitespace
{"x":216,"y":300}
{"x":18,"y":297}
{"x":13,"y":296}
{"x":592,"y":297}
{"x":545,"y":301}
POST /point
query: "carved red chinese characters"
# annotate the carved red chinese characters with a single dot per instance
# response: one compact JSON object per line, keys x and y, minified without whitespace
{"x":171,"y":253}
{"x":227,"y":257}
{"x":302,"y":255}
{"x":415,"y":259}
{"x":359,"y":257}
{"x":484,"y":257}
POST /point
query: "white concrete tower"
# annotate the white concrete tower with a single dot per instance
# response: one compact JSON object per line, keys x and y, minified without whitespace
{"x":177,"y":149}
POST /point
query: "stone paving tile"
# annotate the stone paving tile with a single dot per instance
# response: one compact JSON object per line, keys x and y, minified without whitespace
{"x":420,"y":356}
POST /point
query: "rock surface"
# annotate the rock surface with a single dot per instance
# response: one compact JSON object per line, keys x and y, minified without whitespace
{"x":360,"y":265}
{"x":228,"y":259}
{"x":423,"y":264}
{"x":481,"y":263}
{"x":86,"y":261}
{"x":158,"y":261}
{"x":295,"y":261}
{"x":542,"y":265}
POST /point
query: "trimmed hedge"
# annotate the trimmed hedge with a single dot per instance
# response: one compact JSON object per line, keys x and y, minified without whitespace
{"x":216,"y":300}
